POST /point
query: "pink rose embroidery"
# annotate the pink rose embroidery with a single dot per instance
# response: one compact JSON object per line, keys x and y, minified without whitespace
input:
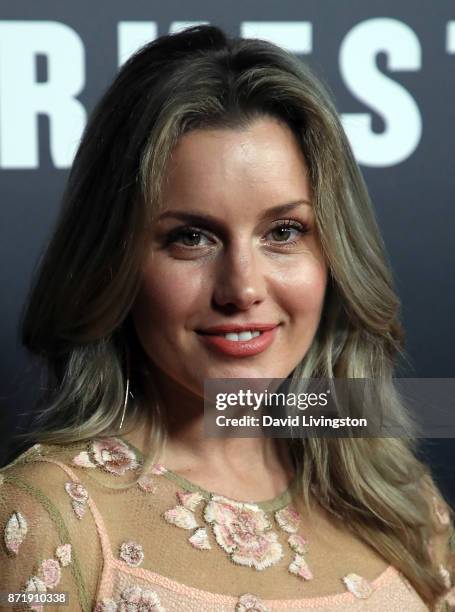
{"x":288,"y":519}
{"x":180,"y":517}
{"x":300,"y":568}
{"x":50,"y":573}
{"x":250,"y":603}
{"x":106,"y":605}
{"x":111,"y":454}
{"x":15,"y":532}
{"x":132,"y":553}
{"x":135,"y":598}
{"x":32,"y":452}
{"x":243,"y":531}
{"x":158,"y":469}
{"x":132,"y":599}
{"x":35,"y":585}
{"x":200,"y":539}
{"x":298,"y":544}
{"x":79,"y":497}
{"x":79,"y":508}
{"x":76,"y":491}
{"x":146,"y":484}
{"x":360,"y":587}
{"x":63,"y":554}
{"x":189,"y":500}
{"x":83,"y":460}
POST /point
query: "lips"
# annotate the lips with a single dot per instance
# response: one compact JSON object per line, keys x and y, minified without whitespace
{"x":213,"y":337}
{"x":236,"y":329}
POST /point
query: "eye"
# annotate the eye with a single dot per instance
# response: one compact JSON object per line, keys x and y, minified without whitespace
{"x":188,"y":237}
{"x":288,"y":231}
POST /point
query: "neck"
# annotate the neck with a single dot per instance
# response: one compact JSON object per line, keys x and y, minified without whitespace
{"x":188,"y":451}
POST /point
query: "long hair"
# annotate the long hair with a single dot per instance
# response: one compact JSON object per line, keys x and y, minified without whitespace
{"x":77,"y":317}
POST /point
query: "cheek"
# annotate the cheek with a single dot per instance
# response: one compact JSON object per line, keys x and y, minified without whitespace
{"x":167,"y":299}
{"x":301,"y":288}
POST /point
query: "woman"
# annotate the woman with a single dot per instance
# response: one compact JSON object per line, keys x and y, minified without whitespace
{"x":215,"y":226}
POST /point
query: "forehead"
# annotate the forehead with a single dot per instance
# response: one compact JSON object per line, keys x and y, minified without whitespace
{"x":226,"y":167}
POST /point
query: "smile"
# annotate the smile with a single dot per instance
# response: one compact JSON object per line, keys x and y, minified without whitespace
{"x":243,"y":343}
{"x":246,"y":335}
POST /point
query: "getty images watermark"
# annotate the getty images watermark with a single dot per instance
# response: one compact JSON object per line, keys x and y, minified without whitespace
{"x":301,"y":401}
{"x":322,"y":407}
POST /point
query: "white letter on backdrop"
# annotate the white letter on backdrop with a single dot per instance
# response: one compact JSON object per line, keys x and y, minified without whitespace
{"x":295,"y":36}
{"x":176,"y":26}
{"x":22,"y":98}
{"x":132,"y":35}
{"x":450,"y":37}
{"x":395,"y":105}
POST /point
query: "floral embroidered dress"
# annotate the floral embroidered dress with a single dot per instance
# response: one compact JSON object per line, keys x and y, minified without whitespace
{"x":86,"y":521}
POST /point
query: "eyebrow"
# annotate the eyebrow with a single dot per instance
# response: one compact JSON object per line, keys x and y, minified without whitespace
{"x":193,"y":217}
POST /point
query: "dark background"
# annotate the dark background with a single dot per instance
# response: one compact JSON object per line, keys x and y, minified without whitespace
{"x":412,"y":196}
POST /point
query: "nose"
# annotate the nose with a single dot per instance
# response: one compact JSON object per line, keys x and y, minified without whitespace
{"x":240,"y":278}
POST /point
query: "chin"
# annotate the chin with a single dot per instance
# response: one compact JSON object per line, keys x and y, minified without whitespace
{"x":245,"y":371}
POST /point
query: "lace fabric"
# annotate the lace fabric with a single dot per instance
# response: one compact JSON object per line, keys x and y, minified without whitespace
{"x":79,"y":519}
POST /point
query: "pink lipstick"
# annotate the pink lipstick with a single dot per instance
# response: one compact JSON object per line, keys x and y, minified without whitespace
{"x":239,"y":340}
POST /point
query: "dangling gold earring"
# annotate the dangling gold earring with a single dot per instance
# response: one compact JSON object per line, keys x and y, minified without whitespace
{"x":127,"y":386}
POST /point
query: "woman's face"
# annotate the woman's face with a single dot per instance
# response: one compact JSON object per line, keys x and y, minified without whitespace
{"x":234,"y":249}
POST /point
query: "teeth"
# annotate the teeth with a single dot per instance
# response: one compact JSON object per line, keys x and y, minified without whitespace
{"x":246,"y":335}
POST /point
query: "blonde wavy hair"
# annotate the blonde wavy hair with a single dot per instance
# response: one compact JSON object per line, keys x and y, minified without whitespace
{"x":77,"y":317}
